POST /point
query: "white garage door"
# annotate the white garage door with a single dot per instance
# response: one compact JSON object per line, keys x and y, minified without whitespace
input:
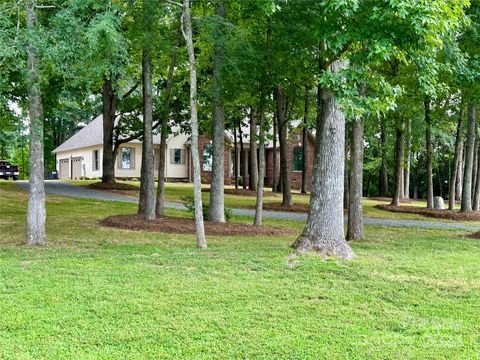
{"x":63,"y":171}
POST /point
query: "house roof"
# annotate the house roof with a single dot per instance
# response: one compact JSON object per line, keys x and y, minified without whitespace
{"x":91,"y":135}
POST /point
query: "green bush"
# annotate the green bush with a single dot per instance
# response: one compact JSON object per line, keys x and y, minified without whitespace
{"x":189,"y":203}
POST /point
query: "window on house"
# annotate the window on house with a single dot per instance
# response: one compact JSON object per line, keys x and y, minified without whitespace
{"x":297,"y":158}
{"x":207,"y":157}
{"x":177,"y":156}
{"x":95,"y":160}
{"x":127,"y":158}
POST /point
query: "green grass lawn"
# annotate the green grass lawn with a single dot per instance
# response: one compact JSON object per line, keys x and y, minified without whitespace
{"x":102,"y":293}
{"x":176,"y":191}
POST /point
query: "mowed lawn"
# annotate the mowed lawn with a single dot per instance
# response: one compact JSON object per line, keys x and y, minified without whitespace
{"x":98,"y":293}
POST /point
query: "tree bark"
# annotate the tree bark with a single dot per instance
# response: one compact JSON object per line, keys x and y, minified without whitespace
{"x":355,"y":211}
{"x":324,"y":230}
{"x":36,"y":213}
{"x":146,"y":204}
{"x":242,"y":157}
{"x":253,"y":178}
{"x":274,"y":151}
{"x":346,"y":179}
{"x":429,"y":153}
{"x":383,"y":170}
{"x":456,"y":162}
{"x":235,"y":145}
{"x":109,"y":106}
{"x":197,"y":185}
{"x":460,"y":171}
{"x":160,"y":203}
{"x":474,"y":166}
{"x":406,"y":173}
{"x":261,"y":173}
{"x":285,"y":169}
{"x":476,"y":194}
{"x":305,"y":144}
{"x":470,"y":145}
{"x":216,"y":210}
{"x":397,"y":191}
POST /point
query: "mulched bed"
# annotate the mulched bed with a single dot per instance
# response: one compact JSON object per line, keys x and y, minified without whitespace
{"x":244,"y":192}
{"x":387,"y":199}
{"x":177,"y":225}
{"x":434,"y":213}
{"x":114,"y":186}
{"x":299,"y":208}
{"x":475,"y":235}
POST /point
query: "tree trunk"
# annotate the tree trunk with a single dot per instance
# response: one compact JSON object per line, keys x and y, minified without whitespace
{"x":456,"y":162}
{"x":383,"y":170}
{"x":476,"y":193}
{"x":242,"y":157}
{"x":406,"y":173}
{"x":36,"y":213}
{"x":217,"y":208}
{"x":467,"y":176}
{"x":197,"y":185}
{"x":474,"y":166}
{"x":261,"y":173}
{"x":109,"y":106}
{"x":429,"y":153}
{"x":305,"y":144}
{"x":160,"y":203}
{"x":460,"y":171}
{"x":355,"y":212}
{"x":346,"y":173}
{"x":397,"y":191}
{"x":147,"y":181}
{"x":285,"y":169}
{"x":274,"y":151}
{"x":324,"y":230}
{"x":253,"y":179}
{"x":235,"y":145}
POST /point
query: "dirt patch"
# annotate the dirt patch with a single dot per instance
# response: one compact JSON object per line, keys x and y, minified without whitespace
{"x":298,"y":208}
{"x":177,"y":225}
{"x":244,"y":192}
{"x":434,"y":213}
{"x":113,"y":186}
{"x":475,"y":235}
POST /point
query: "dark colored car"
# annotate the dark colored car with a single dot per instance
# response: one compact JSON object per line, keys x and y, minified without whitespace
{"x":7,"y":170}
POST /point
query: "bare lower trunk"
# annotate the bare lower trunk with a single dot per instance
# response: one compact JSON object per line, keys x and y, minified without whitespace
{"x":476,"y":194}
{"x":147,"y":184}
{"x":160,"y":203}
{"x":470,"y":145}
{"x":217,"y":208}
{"x":36,"y":213}
{"x":284,"y":158}
{"x":475,"y":161}
{"x":305,"y":144}
{"x":109,"y":105}
{"x":346,"y":179}
{"x":235,"y":164}
{"x":274,"y":152}
{"x":383,"y":170}
{"x":253,"y":179}
{"x":397,"y":191}
{"x":197,"y":185}
{"x":355,"y":211}
{"x":243,"y":171}
{"x":456,"y":162}
{"x":261,"y":172}
{"x":406,"y":173}
{"x":429,"y":152}
{"x":459,"y":179}
{"x":324,"y":230}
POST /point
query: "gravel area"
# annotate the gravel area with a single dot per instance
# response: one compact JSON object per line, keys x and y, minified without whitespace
{"x":60,"y":188}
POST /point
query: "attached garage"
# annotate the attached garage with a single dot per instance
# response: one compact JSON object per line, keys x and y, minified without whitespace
{"x":76,"y":167}
{"x":63,"y":170}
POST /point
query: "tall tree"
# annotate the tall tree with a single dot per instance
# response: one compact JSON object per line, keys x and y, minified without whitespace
{"x":217,"y":207}
{"x":197,"y":185}
{"x":36,"y":213}
{"x":456,"y":162}
{"x":469,"y":149}
{"x":429,"y":153}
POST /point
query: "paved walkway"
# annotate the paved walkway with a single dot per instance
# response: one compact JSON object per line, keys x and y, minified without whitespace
{"x":65,"y":189}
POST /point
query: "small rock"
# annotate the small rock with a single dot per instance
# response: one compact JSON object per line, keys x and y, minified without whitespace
{"x":438,"y":203}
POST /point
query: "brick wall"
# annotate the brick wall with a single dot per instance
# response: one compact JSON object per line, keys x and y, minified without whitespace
{"x":295,"y":139}
{"x":207,"y":175}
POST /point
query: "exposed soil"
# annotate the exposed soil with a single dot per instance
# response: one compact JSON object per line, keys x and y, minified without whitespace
{"x":434,"y":213}
{"x":475,"y":235}
{"x":244,"y":192}
{"x":113,"y":186}
{"x":177,"y":225}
